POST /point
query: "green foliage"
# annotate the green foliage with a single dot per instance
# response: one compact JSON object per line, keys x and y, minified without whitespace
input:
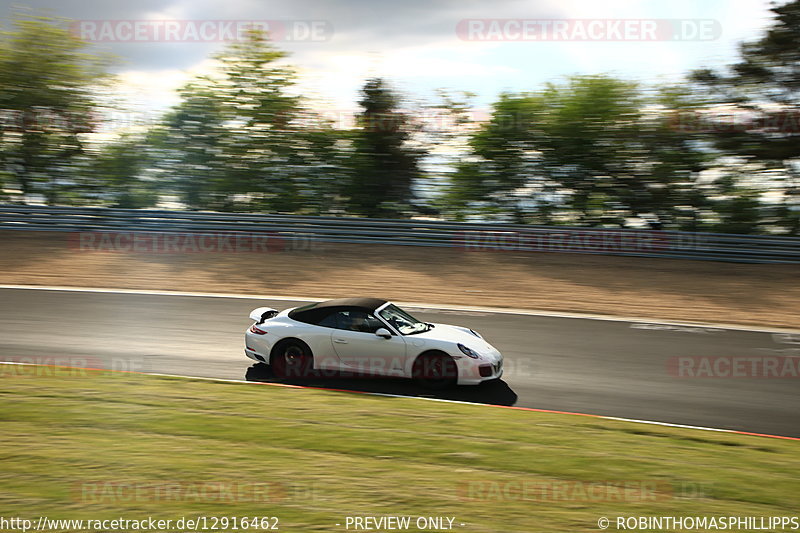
{"x":46,"y":94}
{"x":588,"y":148}
{"x":238,"y":141}
{"x":189,"y":144}
{"x":763,"y":89}
{"x":116,"y":173}
{"x":383,"y":167}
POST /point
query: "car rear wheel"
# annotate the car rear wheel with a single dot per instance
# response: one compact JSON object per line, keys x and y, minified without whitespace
{"x":292,"y":359}
{"x":435,"y":371}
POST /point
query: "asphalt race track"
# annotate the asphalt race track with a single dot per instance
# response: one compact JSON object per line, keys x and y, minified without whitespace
{"x":583,"y":365}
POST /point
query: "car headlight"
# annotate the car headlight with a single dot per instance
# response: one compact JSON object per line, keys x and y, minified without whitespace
{"x":469,"y":352}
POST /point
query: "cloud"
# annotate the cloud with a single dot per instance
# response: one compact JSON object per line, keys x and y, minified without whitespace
{"x":414,"y":43}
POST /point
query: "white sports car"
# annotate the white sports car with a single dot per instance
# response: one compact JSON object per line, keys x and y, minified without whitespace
{"x":368,"y":336}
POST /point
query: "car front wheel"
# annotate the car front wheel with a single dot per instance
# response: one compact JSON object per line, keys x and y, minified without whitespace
{"x":435,"y":371}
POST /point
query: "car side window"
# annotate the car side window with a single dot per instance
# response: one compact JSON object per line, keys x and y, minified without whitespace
{"x":371,"y":324}
{"x":352,"y":320}
{"x":330,"y":321}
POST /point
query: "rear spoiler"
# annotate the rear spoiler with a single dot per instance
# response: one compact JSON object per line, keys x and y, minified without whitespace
{"x":262,"y":313}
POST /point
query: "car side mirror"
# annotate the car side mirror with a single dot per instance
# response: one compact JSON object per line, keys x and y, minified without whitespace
{"x":383,"y":332}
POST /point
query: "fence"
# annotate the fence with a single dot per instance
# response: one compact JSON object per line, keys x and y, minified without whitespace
{"x":466,"y":236}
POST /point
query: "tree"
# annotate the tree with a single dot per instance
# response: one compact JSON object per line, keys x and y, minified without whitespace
{"x":47,"y":84}
{"x":258,"y":114}
{"x":383,"y":167}
{"x":502,"y":162}
{"x":594,"y":150}
{"x":445,"y":133}
{"x":190,"y":144}
{"x":240,"y":141}
{"x":762,"y":95}
{"x":117,"y":172}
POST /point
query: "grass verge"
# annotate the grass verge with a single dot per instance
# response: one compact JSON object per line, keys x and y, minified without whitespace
{"x":92,"y":445}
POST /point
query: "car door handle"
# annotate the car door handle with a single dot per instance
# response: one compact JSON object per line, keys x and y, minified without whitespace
{"x":340,"y":341}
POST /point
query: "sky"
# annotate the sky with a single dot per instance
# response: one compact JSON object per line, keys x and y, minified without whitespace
{"x":419,"y":45}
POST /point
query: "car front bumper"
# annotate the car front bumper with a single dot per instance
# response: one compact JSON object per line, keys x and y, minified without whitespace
{"x":476,"y":371}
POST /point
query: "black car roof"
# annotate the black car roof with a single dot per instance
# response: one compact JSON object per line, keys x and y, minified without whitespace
{"x":370,"y":304}
{"x":309,"y":313}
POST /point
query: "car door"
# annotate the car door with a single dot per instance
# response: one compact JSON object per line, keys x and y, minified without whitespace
{"x":359,"y":349}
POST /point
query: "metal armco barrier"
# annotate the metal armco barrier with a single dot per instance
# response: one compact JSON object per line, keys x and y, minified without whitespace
{"x":466,"y":236}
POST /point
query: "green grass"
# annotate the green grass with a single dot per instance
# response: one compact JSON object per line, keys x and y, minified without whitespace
{"x":322,"y":456}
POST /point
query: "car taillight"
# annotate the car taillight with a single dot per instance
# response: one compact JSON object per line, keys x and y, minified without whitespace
{"x":257,"y":331}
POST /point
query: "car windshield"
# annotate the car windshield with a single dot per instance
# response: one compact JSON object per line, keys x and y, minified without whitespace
{"x":402,"y":321}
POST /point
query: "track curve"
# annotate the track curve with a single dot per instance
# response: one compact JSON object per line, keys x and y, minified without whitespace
{"x":605,"y":367}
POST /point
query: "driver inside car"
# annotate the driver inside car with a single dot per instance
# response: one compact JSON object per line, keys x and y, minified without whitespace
{"x":359,"y":323}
